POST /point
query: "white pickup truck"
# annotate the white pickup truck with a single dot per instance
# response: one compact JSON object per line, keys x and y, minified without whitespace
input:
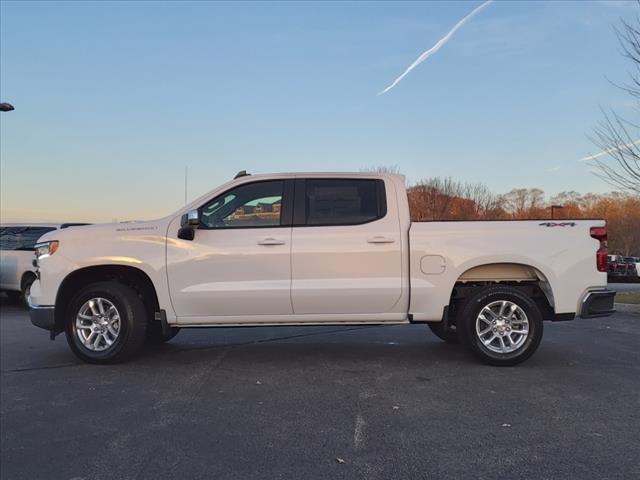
{"x":317,"y":249}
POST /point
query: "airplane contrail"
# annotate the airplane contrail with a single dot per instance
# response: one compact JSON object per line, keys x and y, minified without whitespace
{"x":608,"y":151}
{"x":436,"y":47}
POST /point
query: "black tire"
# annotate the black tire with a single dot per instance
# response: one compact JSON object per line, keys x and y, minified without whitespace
{"x":449,"y":335}
{"x":155,"y":335}
{"x":133,"y":322}
{"x":466,"y":324}
{"x":25,"y":288}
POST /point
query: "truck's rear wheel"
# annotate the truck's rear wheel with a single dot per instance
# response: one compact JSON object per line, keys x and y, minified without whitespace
{"x":106,"y":323}
{"x":449,"y":334}
{"x":501,"y":325}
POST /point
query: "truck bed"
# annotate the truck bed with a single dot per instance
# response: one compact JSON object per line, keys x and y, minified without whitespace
{"x":559,"y":253}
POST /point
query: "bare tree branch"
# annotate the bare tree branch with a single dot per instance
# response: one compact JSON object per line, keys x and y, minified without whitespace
{"x":618,"y":137}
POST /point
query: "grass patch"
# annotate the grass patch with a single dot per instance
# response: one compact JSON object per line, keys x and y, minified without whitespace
{"x":628,"y":297}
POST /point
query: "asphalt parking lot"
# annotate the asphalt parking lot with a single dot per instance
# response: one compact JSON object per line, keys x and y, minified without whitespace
{"x":323,"y":402}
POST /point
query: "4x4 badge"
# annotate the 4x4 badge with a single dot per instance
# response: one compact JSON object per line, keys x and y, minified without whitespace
{"x":558,"y":224}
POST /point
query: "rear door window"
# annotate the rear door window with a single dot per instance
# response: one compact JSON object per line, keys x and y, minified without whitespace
{"x":344,"y":201}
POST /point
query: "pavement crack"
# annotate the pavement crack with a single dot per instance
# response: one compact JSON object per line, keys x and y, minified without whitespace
{"x":47,"y":367}
{"x":210,"y":367}
{"x":358,"y":432}
{"x":312,"y":334}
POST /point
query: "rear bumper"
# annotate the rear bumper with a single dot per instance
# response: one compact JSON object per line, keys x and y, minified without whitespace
{"x":42,"y":316}
{"x":598,"y":303}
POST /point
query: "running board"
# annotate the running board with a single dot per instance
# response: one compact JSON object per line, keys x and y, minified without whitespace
{"x":285,"y":324}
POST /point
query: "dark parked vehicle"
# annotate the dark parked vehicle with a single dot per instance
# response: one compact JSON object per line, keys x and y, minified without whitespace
{"x":633,"y":268}
{"x":622,"y":269}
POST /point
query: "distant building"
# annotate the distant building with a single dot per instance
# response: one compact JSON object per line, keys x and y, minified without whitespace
{"x":264,"y":210}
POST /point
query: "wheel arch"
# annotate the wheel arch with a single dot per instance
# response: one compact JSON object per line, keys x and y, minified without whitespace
{"x":529,"y":278}
{"x":127,"y":275}
{"x":25,"y":275}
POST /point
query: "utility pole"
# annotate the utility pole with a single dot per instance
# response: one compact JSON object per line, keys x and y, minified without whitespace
{"x":185,"y":184}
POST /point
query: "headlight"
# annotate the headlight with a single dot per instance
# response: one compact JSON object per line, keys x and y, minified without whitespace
{"x":44,"y":249}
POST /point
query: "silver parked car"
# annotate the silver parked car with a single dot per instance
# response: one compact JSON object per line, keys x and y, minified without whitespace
{"x":17,"y":241}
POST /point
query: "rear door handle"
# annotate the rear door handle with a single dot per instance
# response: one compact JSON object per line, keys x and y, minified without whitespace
{"x":380,"y":239}
{"x":270,"y":241}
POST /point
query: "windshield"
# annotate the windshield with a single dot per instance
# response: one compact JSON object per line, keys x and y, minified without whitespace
{"x":21,"y":238}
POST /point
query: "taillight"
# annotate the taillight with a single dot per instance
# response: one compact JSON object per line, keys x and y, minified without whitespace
{"x":600,"y":234}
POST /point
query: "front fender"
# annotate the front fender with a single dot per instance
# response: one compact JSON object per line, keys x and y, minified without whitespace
{"x":143,"y":248}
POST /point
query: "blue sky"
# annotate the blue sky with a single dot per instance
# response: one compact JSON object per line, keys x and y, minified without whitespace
{"x":114,"y":99}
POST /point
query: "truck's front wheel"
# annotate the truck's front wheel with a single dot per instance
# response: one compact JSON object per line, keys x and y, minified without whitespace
{"x":501,"y":325}
{"x":106,"y":323}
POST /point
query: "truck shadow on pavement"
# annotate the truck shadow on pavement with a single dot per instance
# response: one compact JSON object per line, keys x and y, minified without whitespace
{"x":362,"y":348}
{"x":356,"y":348}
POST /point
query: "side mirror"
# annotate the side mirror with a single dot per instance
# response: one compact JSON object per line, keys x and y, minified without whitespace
{"x":187,"y":233}
{"x":189,"y":222}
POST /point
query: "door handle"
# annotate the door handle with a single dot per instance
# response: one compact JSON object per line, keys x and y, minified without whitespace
{"x":270,"y":241}
{"x":380,"y":239}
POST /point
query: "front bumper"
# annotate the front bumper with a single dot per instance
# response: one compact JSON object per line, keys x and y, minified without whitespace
{"x":42,"y":316}
{"x":598,"y":303}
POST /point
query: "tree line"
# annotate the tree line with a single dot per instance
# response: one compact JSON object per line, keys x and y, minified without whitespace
{"x":437,"y":199}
